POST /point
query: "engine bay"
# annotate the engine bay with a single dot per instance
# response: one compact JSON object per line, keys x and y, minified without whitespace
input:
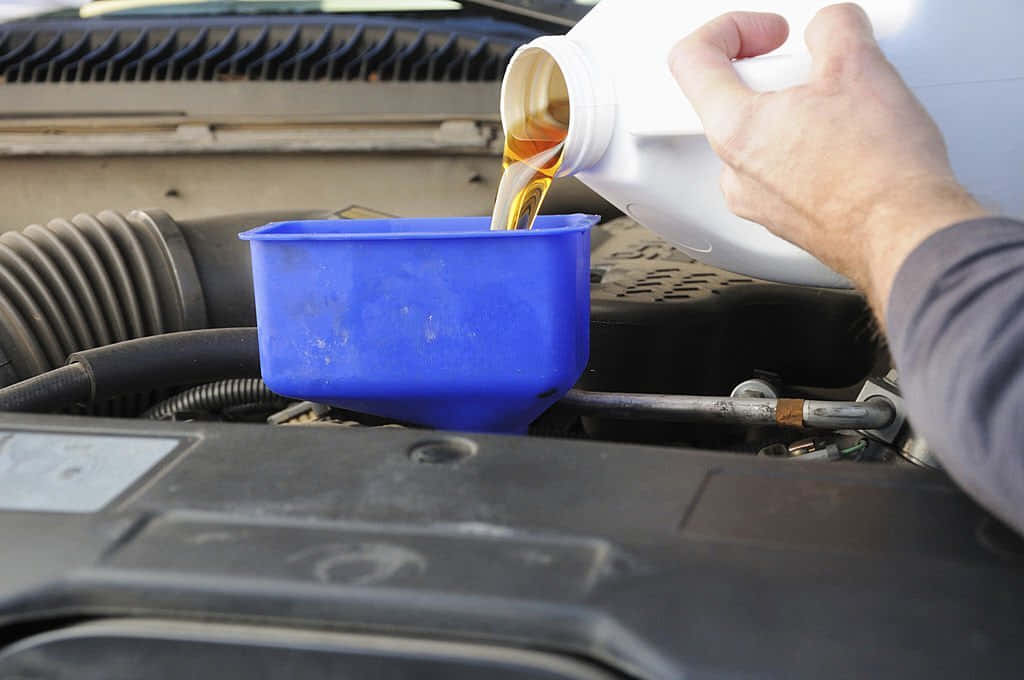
{"x":165,"y":514}
{"x":662,"y":326}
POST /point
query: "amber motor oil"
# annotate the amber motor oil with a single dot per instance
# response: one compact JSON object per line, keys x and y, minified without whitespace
{"x":532,"y":157}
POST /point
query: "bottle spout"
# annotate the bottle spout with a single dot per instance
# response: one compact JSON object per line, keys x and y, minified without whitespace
{"x":554,"y":74}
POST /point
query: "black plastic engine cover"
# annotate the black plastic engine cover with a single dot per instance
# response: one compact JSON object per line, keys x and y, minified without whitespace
{"x":146,"y":551}
{"x":662,"y":322}
{"x":663,"y":319}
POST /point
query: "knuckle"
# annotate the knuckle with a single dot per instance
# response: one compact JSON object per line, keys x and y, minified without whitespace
{"x":729,"y":150}
{"x":725,"y":182}
{"x":731,"y":136}
{"x":732,"y":190}
{"x":861,"y":58}
{"x":832,"y":69}
{"x":849,"y":60}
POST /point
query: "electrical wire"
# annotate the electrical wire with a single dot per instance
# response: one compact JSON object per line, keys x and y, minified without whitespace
{"x":856,"y":448}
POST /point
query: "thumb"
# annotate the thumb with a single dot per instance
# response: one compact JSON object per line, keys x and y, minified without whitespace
{"x":702,"y":62}
{"x":836,"y":34}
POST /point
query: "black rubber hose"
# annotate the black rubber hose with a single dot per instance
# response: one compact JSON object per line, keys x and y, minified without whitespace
{"x":20,"y":296}
{"x":51,"y":275}
{"x":139,"y":365}
{"x":170,"y":360}
{"x":117,"y":269}
{"x":214,"y":396}
{"x":62,"y":386}
{"x":25,"y":350}
{"x":31,"y":280}
{"x":70,"y":269}
{"x":101,"y":279}
{"x":143,"y":278}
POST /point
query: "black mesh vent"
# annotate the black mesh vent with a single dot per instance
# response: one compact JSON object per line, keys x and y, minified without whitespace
{"x":328,"y":49}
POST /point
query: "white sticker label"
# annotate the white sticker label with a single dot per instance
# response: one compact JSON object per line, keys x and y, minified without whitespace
{"x":70,"y":472}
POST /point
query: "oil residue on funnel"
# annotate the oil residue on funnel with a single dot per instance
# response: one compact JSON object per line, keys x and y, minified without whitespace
{"x":533,"y":154}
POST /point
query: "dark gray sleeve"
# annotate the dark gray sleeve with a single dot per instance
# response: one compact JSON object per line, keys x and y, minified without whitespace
{"x":956,"y":329}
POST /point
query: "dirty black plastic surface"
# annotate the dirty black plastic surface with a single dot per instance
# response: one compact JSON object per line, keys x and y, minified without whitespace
{"x":666,"y":306}
{"x":170,"y":650}
{"x":654,"y":563}
{"x":663,"y":323}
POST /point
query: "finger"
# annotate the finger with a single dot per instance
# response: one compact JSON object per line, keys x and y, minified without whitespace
{"x":729,"y":183}
{"x":702,"y":62}
{"x":837,"y":34}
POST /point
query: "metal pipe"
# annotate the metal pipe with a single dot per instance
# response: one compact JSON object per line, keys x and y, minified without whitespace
{"x":827,"y":415}
{"x":873,"y":414}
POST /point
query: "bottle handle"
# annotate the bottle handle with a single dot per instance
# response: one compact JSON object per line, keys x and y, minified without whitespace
{"x":775,"y":71}
{"x":763,"y":74}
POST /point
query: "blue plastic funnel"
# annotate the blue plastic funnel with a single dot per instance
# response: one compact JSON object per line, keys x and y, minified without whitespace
{"x":438,"y":322}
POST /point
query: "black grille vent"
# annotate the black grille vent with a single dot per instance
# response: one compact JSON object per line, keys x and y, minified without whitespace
{"x":326,"y":49}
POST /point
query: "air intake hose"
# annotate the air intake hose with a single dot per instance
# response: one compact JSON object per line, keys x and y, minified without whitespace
{"x":74,"y":285}
{"x":91,"y":281}
{"x":98,"y":279}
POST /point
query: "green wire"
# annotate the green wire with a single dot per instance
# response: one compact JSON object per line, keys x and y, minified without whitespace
{"x":856,"y":448}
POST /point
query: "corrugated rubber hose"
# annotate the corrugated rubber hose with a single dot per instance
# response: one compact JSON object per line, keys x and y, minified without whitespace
{"x":72,"y":285}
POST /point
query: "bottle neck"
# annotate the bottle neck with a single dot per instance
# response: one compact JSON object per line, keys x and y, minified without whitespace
{"x":556,"y":66}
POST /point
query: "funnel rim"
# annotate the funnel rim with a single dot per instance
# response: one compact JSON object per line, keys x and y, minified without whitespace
{"x":577,"y":222}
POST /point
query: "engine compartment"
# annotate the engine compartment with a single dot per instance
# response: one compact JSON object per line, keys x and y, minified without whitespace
{"x":210,"y":529}
{"x":661,"y":324}
{"x":230,"y":122}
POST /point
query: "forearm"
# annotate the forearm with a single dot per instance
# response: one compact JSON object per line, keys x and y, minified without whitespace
{"x":897,"y":222}
{"x":851,"y":168}
{"x":956,"y":327}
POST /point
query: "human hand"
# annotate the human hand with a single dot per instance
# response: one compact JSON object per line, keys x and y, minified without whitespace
{"x":849,"y":167}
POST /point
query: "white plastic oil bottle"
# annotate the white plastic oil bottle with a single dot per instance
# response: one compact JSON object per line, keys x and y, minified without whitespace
{"x":634,"y":138}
